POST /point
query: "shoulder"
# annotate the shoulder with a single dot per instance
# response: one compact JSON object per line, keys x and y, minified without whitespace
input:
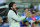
{"x":11,"y":12}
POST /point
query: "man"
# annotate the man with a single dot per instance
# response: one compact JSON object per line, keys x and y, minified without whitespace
{"x":5,"y":22}
{"x":28,"y":17}
{"x":25,"y":11}
{"x":37,"y":16}
{"x":33,"y":16}
{"x":13,"y":17}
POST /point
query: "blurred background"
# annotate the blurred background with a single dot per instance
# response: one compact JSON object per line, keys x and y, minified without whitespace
{"x":21,"y":4}
{"x":31,"y":5}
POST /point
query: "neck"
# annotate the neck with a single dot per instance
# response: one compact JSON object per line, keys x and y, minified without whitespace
{"x":14,"y":9}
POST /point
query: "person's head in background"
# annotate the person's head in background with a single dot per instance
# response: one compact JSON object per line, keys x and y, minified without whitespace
{"x":36,"y":24}
{"x":33,"y":14}
{"x":0,"y":19}
{"x":29,"y":13}
{"x":26,"y":10}
{"x":38,"y":12}
{"x":12,"y":6}
{"x":25,"y":23}
{"x":5,"y":20}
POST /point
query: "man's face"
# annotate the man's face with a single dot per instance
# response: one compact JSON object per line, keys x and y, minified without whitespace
{"x":36,"y":25}
{"x":14,"y":6}
{"x":33,"y":14}
{"x":29,"y":14}
{"x":38,"y":12}
{"x":26,"y":10}
{"x":7,"y":20}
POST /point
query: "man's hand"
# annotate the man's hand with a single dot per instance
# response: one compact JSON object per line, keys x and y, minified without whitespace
{"x":26,"y":14}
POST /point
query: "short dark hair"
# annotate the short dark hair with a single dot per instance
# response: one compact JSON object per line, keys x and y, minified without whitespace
{"x":33,"y":12}
{"x":25,"y":8}
{"x":11,"y":4}
{"x":25,"y":21}
{"x":36,"y":22}
{"x":4,"y":19}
